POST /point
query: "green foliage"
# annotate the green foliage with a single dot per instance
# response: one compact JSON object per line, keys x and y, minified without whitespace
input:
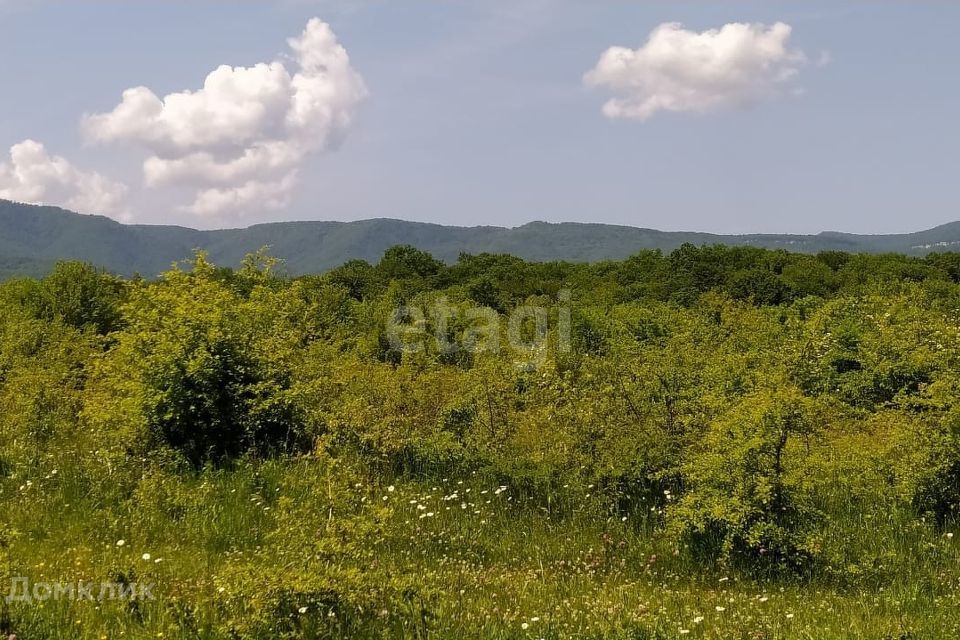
{"x":358,"y":277}
{"x":74,"y":293}
{"x":199,"y":365}
{"x":935,"y":483}
{"x":746,"y":495}
{"x":760,"y":287}
{"x":405,"y":261}
{"x":729,"y":435}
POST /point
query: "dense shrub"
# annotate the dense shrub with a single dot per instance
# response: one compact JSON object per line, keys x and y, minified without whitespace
{"x":745,"y":496}
{"x":935,"y":483}
{"x":203,"y":371}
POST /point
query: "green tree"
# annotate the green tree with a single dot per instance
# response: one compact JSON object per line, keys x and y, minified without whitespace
{"x":77,"y":294}
{"x":404,"y":261}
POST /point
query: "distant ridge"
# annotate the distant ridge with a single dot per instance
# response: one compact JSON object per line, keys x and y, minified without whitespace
{"x":32,"y":238}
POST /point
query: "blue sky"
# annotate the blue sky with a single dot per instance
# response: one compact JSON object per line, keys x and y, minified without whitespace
{"x":478,"y":113}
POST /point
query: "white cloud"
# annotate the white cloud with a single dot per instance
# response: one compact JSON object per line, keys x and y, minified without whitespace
{"x":240,"y":140}
{"x":253,"y":193}
{"x":685,"y":71}
{"x":34,"y":176}
{"x":200,"y":168}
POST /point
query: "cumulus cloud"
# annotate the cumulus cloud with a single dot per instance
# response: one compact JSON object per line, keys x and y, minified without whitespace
{"x":240,"y":140}
{"x":685,"y":71}
{"x":33,"y":175}
{"x":273,"y":194}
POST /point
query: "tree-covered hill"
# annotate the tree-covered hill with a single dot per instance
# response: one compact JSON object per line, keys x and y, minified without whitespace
{"x":32,"y":238}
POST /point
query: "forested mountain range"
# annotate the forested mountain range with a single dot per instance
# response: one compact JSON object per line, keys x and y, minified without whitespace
{"x":32,"y":238}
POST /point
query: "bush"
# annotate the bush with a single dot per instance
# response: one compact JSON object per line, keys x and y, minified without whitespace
{"x":746,"y":499}
{"x":935,"y":482}
{"x":201,"y":372}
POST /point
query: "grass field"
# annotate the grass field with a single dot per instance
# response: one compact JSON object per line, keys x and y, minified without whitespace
{"x":262,"y":549}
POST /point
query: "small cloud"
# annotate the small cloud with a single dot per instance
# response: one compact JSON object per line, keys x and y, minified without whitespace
{"x":688,"y":72}
{"x":240,"y":139}
{"x":33,"y":175}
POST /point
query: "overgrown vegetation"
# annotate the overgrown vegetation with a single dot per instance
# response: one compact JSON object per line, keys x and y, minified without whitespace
{"x":713,"y":443}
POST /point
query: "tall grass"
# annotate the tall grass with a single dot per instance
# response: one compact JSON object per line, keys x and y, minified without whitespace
{"x":474,"y":560}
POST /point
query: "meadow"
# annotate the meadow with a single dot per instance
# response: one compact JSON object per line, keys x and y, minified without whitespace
{"x":712,"y":443}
